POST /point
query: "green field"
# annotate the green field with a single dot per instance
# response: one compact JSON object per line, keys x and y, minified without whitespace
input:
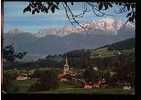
{"x":21,"y":86}
{"x":69,"y":89}
{"x":88,"y":91}
{"x":104,"y":52}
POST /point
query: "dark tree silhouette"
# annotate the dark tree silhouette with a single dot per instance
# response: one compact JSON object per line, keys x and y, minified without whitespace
{"x":10,"y":55}
{"x":47,"y":80}
{"x":97,"y":8}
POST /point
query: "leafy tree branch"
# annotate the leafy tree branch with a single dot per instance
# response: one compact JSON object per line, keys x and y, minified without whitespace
{"x":97,"y":8}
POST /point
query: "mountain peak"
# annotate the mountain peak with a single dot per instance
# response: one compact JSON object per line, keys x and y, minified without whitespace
{"x":106,"y":25}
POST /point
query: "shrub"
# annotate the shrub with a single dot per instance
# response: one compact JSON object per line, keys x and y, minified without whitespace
{"x":8,"y":78}
{"x":48,"y":80}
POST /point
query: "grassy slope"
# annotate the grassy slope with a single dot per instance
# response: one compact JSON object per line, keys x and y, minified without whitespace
{"x":104,"y":52}
{"x":88,"y":91}
{"x":127,"y":46}
{"x":23,"y":85}
{"x":69,"y":89}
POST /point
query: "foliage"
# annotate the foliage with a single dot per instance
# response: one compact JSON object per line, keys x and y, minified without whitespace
{"x":10,"y":55}
{"x":78,"y":58}
{"x":37,"y":73}
{"x":90,"y":75}
{"x":127,"y":75}
{"x":8,"y":78}
{"x":51,"y":61}
{"x":96,"y":7}
{"x":37,"y":7}
{"x":48,"y":80}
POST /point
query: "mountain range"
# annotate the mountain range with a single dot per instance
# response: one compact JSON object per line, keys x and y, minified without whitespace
{"x":60,"y":40}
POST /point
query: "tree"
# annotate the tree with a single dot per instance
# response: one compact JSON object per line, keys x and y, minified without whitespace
{"x":126,"y":61}
{"x":97,"y":8}
{"x":36,"y":73}
{"x":90,"y":75}
{"x":10,"y":55}
{"x":48,"y":80}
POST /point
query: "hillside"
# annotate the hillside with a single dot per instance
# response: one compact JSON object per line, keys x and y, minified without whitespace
{"x":122,"y":47}
{"x":52,"y":41}
{"x":125,"y":46}
{"x":103,"y":56}
{"x":85,"y":57}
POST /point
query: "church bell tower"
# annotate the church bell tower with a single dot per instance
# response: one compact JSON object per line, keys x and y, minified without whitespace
{"x":66,"y":66}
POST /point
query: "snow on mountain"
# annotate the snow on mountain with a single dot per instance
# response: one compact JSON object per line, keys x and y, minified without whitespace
{"x":61,"y":40}
{"x":108,"y":25}
{"x":105,"y":24}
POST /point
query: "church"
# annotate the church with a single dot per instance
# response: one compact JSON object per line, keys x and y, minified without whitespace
{"x":67,"y":70}
{"x":66,"y":67}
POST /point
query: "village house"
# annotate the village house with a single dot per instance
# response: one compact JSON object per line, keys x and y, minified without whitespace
{"x":22,"y":77}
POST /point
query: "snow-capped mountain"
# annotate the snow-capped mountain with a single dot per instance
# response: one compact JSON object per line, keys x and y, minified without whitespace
{"x":56,"y":41}
{"x":106,"y":24}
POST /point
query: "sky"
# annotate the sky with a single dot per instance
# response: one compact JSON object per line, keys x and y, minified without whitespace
{"x":15,"y":18}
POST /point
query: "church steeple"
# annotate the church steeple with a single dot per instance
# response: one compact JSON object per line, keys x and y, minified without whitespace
{"x":66,"y":62}
{"x":66,"y":66}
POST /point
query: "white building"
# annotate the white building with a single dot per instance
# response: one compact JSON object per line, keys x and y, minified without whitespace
{"x":66,"y":66}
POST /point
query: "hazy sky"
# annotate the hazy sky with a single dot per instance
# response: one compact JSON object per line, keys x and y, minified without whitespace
{"x":15,"y":18}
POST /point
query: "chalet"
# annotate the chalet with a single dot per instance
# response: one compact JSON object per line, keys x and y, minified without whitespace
{"x":22,"y":77}
{"x":88,"y":85}
{"x":126,"y":87}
